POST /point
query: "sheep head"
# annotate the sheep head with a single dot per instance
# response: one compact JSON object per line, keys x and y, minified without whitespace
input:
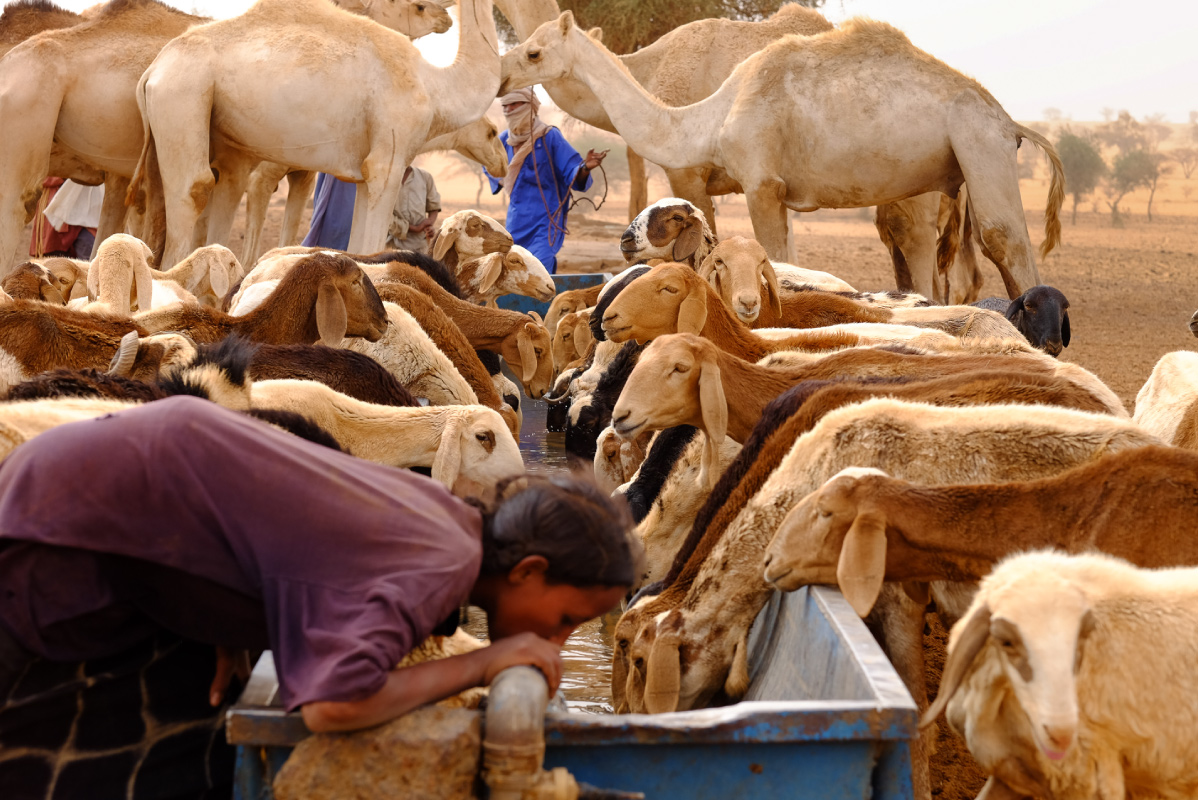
{"x":568,"y":302}
{"x":529,"y":351}
{"x":670,"y":298}
{"x":476,"y":451}
{"x":833,"y":536}
{"x":346,"y":303}
{"x":1032,"y":620}
{"x":542,"y":57}
{"x":528,"y":275}
{"x":69,"y":275}
{"x":1041,"y":314}
{"x":213,"y":271}
{"x":740,"y":271}
{"x":32,"y":281}
{"x":564,"y":347}
{"x":466,"y":235}
{"x":120,"y":274}
{"x":685,"y":664}
{"x":672,"y":228}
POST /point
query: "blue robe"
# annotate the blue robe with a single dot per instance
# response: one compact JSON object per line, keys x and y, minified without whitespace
{"x":557,"y":164}
{"x":332,"y":213}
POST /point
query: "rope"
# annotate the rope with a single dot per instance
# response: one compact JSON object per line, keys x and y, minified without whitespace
{"x":556,"y":227}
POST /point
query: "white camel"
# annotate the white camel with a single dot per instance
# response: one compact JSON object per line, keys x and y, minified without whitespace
{"x":850,"y":118}
{"x":341,"y":95}
{"x":684,"y":66}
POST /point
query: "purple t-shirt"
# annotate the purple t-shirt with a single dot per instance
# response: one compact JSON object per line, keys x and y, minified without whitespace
{"x":354,"y":562}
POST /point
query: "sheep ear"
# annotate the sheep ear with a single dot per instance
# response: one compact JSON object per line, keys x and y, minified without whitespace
{"x":219,"y":276}
{"x":737,"y":682}
{"x":995,"y":789}
{"x":583,"y":338}
{"x":1015,"y":312}
{"x":688,"y":241}
{"x":771,"y":286}
{"x":707,"y":268}
{"x":619,"y":680}
{"x":528,"y":353}
{"x":331,"y":316}
{"x":975,"y":630}
{"x":143,"y":283}
{"x":663,"y":676}
{"x":443,"y":241}
{"x":692,"y":313}
{"x":713,"y":406}
{"x":920,"y":592}
{"x":50,"y":294}
{"x":634,"y":698}
{"x":492,"y":271}
{"x":93,"y":282}
{"x":448,"y":460}
{"x":862,"y":565}
{"x":1065,"y":329}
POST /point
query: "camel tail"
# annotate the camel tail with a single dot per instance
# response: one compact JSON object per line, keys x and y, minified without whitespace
{"x":950,"y":240}
{"x":1056,"y":190}
{"x":136,"y":196}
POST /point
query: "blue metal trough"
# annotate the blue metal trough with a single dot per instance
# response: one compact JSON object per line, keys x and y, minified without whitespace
{"x":825,"y":718}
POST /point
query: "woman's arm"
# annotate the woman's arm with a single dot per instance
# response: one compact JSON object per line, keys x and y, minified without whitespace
{"x":412,"y":687}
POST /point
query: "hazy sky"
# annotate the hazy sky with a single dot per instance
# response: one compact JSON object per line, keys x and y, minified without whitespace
{"x":1078,"y":56}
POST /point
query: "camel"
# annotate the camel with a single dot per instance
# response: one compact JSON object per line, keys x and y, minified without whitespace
{"x":686,"y":65}
{"x":340,"y":95}
{"x":850,"y":118}
{"x":74,"y":88}
{"x":26,"y":18}
{"x":478,"y":141}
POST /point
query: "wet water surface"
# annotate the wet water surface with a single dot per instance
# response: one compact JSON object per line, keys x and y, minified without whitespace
{"x":586,"y":681}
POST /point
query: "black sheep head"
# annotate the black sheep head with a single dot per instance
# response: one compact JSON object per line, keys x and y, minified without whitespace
{"x":1041,"y":314}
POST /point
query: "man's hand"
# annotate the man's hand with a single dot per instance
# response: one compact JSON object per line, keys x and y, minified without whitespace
{"x":594,"y":159}
{"x":523,"y":649}
{"x":228,"y":663}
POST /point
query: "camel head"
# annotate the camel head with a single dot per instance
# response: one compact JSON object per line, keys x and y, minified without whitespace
{"x":479,"y":141}
{"x":673,"y":229}
{"x":413,"y":18}
{"x":542,"y":57}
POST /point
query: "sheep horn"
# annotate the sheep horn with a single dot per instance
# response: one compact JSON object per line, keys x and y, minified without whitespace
{"x":536,"y":317}
{"x":126,"y":354}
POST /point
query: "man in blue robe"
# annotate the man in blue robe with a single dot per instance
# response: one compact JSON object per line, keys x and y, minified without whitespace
{"x":539,"y":187}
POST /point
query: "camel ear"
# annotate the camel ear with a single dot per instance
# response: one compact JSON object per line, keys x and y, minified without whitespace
{"x":596,"y":34}
{"x":448,"y":460}
{"x":862,"y":565}
{"x":737,"y":682}
{"x":332,"y":319}
{"x":688,"y":241}
{"x":528,"y":353}
{"x":713,"y":406}
{"x":663,"y":676}
{"x":771,"y":286}
{"x":975,"y":630}
{"x":443,"y":241}
{"x":692,"y":313}
{"x":566,"y":22}
{"x":492,"y":271}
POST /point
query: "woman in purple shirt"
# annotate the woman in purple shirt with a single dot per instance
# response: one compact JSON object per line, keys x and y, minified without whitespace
{"x":140,"y":551}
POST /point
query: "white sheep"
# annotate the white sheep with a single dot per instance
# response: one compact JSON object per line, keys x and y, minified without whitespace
{"x":1170,"y":390}
{"x":119,"y":277}
{"x":206,"y":275}
{"x":468,"y":234}
{"x":492,"y":275}
{"x":1073,"y":677}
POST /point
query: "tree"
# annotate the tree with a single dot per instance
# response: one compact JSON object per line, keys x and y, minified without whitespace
{"x":1083,"y":164}
{"x":1125,"y":134}
{"x":1131,"y":171}
{"x":1186,"y":158}
{"x":629,"y":25}
{"x":1162,"y":169}
{"x":1052,"y":114}
{"x":1156,"y":130}
{"x":1107,"y":113}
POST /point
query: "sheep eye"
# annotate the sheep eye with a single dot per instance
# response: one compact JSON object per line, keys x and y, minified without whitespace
{"x":623,"y":643}
{"x":482,"y":437}
{"x":681,"y":368}
{"x":824,"y":514}
{"x":420,"y":7}
{"x":670,"y":289}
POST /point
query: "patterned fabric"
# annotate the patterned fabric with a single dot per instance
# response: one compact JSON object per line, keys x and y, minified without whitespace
{"x":134,"y":726}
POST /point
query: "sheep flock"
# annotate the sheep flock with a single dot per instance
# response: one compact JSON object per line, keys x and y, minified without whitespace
{"x":770,"y":426}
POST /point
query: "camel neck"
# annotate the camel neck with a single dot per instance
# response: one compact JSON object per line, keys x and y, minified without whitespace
{"x":462,"y":92}
{"x":674,"y":138}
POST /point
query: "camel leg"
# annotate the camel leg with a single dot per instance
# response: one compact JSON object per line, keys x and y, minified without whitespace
{"x":28,"y":115}
{"x":263,"y":181}
{"x":375,"y":201}
{"x":233,"y":175}
{"x":690,"y":184}
{"x":299,"y":189}
{"x":112,"y":210}
{"x":908,"y":229}
{"x":987,"y":160}
{"x":770,"y":225}
{"x":638,"y":189}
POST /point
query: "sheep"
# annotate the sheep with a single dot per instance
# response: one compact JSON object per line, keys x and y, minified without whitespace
{"x":504,"y":387}
{"x":119,"y":276}
{"x":568,"y":302}
{"x":468,"y":234}
{"x":355,"y":374}
{"x":70,"y":275}
{"x":208,"y":274}
{"x":590,"y":412}
{"x":1041,"y":314}
{"x":520,"y":338}
{"x":326,"y":297}
{"x":468,"y":447}
{"x":617,"y":460}
{"x":1193,"y":326}
{"x":673,"y":229}
{"x":572,"y":340}
{"x":1171,"y":389}
{"x":31,"y":281}
{"x":862,"y":528}
{"x":792,"y":278}
{"x":682,"y":379}
{"x":1071,"y":676}
{"x":492,"y":275}
{"x":721,"y":587}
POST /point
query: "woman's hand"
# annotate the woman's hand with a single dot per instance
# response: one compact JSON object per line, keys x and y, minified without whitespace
{"x":524,"y":649}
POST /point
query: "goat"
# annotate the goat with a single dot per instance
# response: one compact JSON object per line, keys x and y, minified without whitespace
{"x":468,"y":234}
{"x":1070,"y":677}
{"x":1164,"y":399}
{"x":1041,"y":315}
{"x":31,"y":281}
{"x":493,"y":275}
{"x":325,"y":297}
{"x":863,"y":528}
{"x":468,"y":447}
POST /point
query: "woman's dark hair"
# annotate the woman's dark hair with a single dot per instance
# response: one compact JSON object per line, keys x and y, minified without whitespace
{"x":583,"y":534}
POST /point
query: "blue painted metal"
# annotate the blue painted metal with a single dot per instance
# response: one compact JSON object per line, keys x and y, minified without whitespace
{"x":563,"y":281}
{"x":825,"y":718}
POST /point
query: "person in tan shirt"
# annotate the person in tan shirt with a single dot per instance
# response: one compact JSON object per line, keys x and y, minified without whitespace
{"x":415,"y":213}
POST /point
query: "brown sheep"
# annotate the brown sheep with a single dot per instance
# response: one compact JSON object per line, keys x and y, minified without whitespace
{"x":326,"y":297}
{"x":568,"y":302}
{"x":863,"y":529}
{"x":354,"y":374}
{"x":572,"y":340}
{"x":70,"y":275}
{"x":31,"y":281}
